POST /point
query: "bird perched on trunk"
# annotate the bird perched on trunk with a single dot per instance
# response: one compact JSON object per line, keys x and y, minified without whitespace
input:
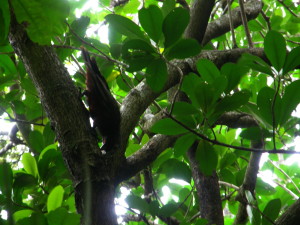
{"x":103,"y":107}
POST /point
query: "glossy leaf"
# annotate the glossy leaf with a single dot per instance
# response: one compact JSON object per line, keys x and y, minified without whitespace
{"x":207,"y":158}
{"x":151,"y":20}
{"x":208,"y":70}
{"x":7,"y":64}
{"x":157,"y":74}
{"x":275,"y":49}
{"x":184,"y":48}
{"x":292,"y":60}
{"x":174,"y":25}
{"x":125,"y":26}
{"x":168,"y":127}
{"x":174,"y":168}
{"x":271,"y":211}
{"x":29,"y":164}
{"x":55,"y":198}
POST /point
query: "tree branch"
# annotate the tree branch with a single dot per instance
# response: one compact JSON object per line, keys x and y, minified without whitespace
{"x":222,"y":25}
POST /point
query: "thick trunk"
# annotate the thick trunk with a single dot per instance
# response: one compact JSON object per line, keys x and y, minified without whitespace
{"x":95,"y":200}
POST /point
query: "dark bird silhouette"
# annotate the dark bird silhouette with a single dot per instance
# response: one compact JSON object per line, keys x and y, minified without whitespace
{"x":103,"y":107}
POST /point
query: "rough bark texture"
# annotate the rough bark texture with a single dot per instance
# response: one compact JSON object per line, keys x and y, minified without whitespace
{"x":291,"y":216}
{"x":70,"y":121}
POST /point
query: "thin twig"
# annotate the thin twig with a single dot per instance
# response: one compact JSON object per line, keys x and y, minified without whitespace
{"x":287,"y":8}
{"x":285,"y":174}
{"x":231,"y":25}
{"x":229,"y":185}
{"x":245,"y":23}
{"x":295,"y":197}
{"x":274,"y":151}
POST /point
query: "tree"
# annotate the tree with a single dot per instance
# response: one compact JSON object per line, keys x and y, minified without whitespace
{"x":205,"y":88}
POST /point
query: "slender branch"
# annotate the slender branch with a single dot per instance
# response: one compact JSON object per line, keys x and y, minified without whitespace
{"x":285,"y":174}
{"x":287,"y":8}
{"x":245,"y":23}
{"x":231,"y":25}
{"x":274,"y":151}
{"x":229,"y":185}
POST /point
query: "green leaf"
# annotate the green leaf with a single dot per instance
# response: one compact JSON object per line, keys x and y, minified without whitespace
{"x":79,"y":27}
{"x":44,"y":19}
{"x":263,"y":188}
{"x":24,"y":181}
{"x":168,"y":6}
{"x":6,"y":179}
{"x":125,"y":26}
{"x":204,"y":94}
{"x":174,"y":168}
{"x":157,"y":73}
{"x":168,"y":209}
{"x":233,"y":73}
{"x":168,"y":127}
{"x":36,"y":141}
{"x":275,"y":49}
{"x":252,"y":133}
{"x":174,"y":25}
{"x":271,"y":211}
{"x":7,"y":64}
{"x":254,"y":215}
{"x":265,"y":101}
{"x":29,"y":164}
{"x":55,"y":198}
{"x":184,"y":109}
{"x":290,"y":100}
{"x":183,"y":143}
{"x":4,"y":21}
{"x":136,"y":202}
{"x":255,"y":63}
{"x":48,"y":134}
{"x":61,"y":216}
{"x":182,"y":49}
{"x":21,"y":214}
{"x":232,"y":102}
{"x":138,"y":54}
{"x":151,"y":20}
{"x":292,"y":60}
{"x":208,"y":70}
{"x":207,"y":158}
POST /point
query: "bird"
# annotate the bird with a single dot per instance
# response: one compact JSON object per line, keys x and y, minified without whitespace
{"x":103,"y":107}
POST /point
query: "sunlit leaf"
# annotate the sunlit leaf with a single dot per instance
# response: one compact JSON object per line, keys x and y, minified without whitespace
{"x":29,"y":164}
{"x":55,"y":198}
